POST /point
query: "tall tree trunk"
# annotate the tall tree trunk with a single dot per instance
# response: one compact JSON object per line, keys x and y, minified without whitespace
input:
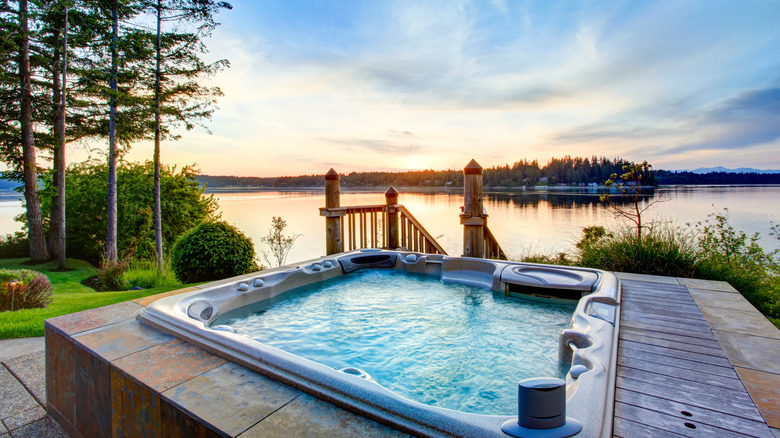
{"x":111,"y":240}
{"x":38,"y":250}
{"x":60,"y":159}
{"x":157,"y":192}
{"x":54,"y":214}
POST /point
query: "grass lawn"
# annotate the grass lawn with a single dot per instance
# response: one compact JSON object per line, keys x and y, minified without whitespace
{"x":69,"y":296}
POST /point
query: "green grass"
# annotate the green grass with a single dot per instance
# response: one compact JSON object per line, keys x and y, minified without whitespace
{"x":69,"y":296}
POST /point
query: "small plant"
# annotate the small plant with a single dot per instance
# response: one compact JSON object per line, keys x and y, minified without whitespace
{"x":110,"y":274}
{"x":279,"y":244}
{"x":144,"y":274}
{"x":24,"y":289}
{"x":592,"y":235}
{"x":719,"y":241}
{"x":212,"y":251}
{"x":631,"y":185}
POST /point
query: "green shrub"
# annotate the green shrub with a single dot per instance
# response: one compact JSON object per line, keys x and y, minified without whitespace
{"x":211,"y":251}
{"x":560,"y":258}
{"x":24,"y":289}
{"x":663,"y":250}
{"x":184,"y":206}
{"x":730,"y":255}
{"x":143,"y":274}
{"x":14,"y":246}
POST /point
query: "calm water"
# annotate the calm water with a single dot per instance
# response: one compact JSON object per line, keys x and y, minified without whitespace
{"x":524,"y":222}
{"x":423,"y":339}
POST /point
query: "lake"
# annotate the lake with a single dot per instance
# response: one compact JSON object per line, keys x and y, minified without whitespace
{"x":524,"y":222}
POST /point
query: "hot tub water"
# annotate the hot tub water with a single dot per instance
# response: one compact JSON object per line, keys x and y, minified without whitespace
{"x":446,"y":345}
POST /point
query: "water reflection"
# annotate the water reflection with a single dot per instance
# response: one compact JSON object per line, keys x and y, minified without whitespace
{"x":523,"y":221}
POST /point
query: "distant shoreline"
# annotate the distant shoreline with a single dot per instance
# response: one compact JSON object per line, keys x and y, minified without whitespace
{"x":412,"y":189}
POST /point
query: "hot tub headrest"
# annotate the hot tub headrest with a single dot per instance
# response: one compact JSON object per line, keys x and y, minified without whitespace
{"x":367,"y":259}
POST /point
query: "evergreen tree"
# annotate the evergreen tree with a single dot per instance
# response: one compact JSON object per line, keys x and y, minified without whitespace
{"x":178,"y":98}
{"x":18,"y":89}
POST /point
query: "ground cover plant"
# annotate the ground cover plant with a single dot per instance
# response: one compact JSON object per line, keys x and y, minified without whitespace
{"x":69,"y":295}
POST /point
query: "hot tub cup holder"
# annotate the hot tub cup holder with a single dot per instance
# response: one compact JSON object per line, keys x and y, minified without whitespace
{"x":541,"y":407}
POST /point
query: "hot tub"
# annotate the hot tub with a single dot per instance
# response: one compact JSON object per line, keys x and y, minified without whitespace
{"x":586,"y":345}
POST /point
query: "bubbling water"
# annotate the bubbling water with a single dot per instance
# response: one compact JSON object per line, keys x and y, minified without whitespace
{"x":447,"y":345}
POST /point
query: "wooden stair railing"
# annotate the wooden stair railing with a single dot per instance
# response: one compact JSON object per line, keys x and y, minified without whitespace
{"x":414,"y":236}
{"x":366,"y":226}
{"x":492,"y":249}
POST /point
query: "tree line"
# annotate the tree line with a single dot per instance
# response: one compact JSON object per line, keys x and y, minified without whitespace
{"x":567,"y":170}
{"x":97,"y":72}
{"x":684,"y":177}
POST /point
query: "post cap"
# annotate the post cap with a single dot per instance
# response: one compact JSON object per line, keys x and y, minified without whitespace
{"x":331,"y":175}
{"x":391,"y":192}
{"x":473,"y":168}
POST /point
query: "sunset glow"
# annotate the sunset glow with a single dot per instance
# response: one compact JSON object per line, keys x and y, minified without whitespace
{"x":410,"y":85}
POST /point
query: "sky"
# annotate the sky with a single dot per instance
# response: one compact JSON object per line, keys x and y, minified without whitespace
{"x":409,"y":85}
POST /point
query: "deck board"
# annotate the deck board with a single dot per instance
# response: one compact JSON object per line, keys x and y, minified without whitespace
{"x":672,"y":344}
{"x":670,"y":423}
{"x":673,"y":377}
{"x":666,"y":318}
{"x":650,"y":358}
{"x":684,"y":339}
{"x":703,"y":332}
{"x":691,"y":413}
{"x":692,"y":374}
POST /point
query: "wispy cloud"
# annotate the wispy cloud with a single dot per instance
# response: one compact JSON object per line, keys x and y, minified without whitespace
{"x":437,"y":83}
{"x":374,"y":145}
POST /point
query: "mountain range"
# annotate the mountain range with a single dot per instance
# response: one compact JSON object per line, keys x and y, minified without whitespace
{"x":721,"y":169}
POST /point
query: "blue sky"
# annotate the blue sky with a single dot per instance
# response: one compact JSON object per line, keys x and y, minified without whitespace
{"x":374,"y":85}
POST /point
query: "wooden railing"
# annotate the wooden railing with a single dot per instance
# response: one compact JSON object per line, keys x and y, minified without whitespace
{"x":392,"y":226}
{"x":414,"y":236}
{"x":492,"y":249}
{"x":388,"y":225}
{"x":367,"y":226}
{"x":363,"y":226}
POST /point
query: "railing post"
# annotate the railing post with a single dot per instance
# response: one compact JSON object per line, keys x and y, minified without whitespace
{"x":472,"y":217}
{"x":391,"y":197}
{"x":334,"y":243}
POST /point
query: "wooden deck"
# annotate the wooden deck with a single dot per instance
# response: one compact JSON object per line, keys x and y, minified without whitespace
{"x":673,"y":377}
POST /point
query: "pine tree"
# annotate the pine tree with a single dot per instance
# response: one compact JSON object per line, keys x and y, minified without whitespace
{"x":18,"y":89}
{"x":178,"y":98}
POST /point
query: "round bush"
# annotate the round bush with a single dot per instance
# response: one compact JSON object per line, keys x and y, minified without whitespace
{"x":24,"y":289}
{"x":212,"y":251}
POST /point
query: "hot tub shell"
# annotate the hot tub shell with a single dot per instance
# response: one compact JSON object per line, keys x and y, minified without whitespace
{"x":590,"y":341}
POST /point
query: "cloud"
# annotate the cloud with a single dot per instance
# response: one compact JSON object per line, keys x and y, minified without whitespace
{"x":375,"y":145}
{"x":447,"y":81}
{"x":595,"y":132}
{"x":748,"y":119}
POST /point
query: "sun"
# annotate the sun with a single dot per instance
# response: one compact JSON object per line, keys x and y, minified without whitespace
{"x":415,"y":162}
